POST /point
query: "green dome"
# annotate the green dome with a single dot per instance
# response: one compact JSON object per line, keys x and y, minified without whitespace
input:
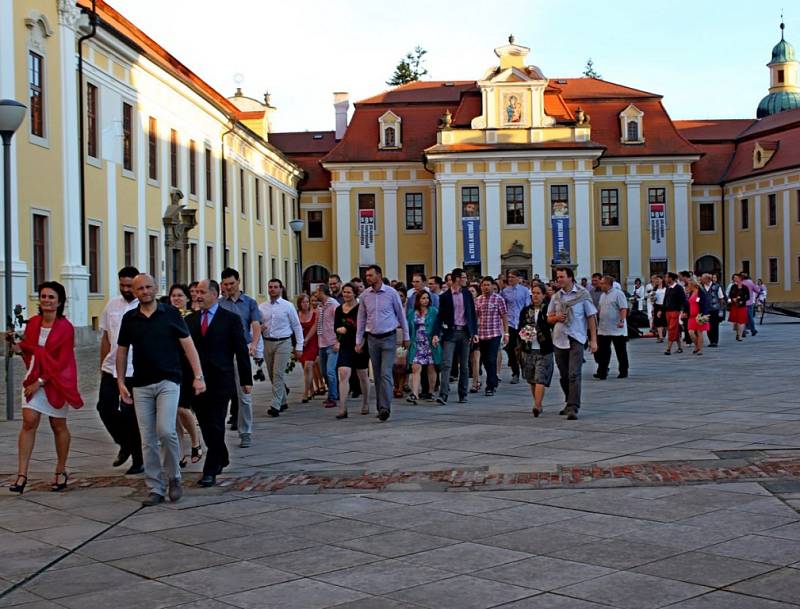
{"x":782,"y":52}
{"x":778,"y":102}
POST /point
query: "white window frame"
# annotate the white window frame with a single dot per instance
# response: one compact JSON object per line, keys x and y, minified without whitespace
{"x":525,"y":206}
{"x":698,"y":216}
{"x":48,"y":250}
{"x":95,"y":161}
{"x":126,"y":228}
{"x":39,"y":31}
{"x":390,"y":119}
{"x":308,"y":224}
{"x":128,"y":173}
{"x":414,"y":231}
{"x":631,"y":113}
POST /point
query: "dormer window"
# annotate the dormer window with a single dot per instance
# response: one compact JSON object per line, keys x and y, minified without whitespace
{"x":390,"y":131}
{"x":763,"y":152}
{"x":631,"y":125}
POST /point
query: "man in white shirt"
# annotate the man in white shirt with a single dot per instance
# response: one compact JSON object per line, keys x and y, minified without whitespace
{"x":612,"y":329}
{"x":279,"y":321}
{"x":119,"y":418}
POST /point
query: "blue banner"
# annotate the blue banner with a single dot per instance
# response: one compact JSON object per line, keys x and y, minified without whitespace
{"x":472,"y":240}
{"x":561,"y":238}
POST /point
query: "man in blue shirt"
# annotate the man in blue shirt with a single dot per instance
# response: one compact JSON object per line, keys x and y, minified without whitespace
{"x":236,"y":301}
{"x":517,"y":297}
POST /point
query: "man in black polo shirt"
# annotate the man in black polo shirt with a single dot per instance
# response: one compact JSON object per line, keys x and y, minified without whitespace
{"x":158,"y":336}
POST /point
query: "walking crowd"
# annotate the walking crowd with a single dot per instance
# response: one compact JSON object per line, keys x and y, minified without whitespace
{"x":189,"y":359}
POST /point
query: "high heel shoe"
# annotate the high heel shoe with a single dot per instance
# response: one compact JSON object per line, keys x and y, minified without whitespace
{"x":342,"y":415}
{"x":60,"y":486}
{"x":197,"y":453}
{"x":17,"y":487}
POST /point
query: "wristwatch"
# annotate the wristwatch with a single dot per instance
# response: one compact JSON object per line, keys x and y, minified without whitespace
{"x":199,"y":377}
{"x":41,"y":381}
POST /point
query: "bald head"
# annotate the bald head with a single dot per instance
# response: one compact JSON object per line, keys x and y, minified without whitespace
{"x":144,"y":288}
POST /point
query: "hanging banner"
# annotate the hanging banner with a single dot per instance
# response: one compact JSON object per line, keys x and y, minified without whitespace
{"x":560,"y":226}
{"x":472,"y":240}
{"x":366,"y":235}
{"x":658,"y":231}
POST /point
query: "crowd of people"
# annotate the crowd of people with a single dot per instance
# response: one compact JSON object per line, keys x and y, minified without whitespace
{"x":189,"y":359}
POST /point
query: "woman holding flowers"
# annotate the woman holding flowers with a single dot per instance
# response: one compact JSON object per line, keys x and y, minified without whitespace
{"x":536,"y":346}
{"x":698,"y":315}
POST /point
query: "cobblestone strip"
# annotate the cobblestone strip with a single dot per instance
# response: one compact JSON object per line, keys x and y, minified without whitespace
{"x":640,"y":474}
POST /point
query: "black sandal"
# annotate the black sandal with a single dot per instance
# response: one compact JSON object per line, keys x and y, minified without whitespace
{"x":17,"y":487}
{"x":197,"y":453}
{"x":60,"y":486}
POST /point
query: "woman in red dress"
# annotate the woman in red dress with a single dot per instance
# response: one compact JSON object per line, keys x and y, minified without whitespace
{"x":738,"y":297}
{"x":308,"y":320}
{"x":50,"y":386}
{"x":698,"y":315}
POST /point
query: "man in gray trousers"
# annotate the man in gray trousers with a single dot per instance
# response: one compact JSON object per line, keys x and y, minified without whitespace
{"x":379,"y":315}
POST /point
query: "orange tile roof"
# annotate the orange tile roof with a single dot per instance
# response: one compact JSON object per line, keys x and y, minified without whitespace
{"x":306,"y":149}
{"x":428,"y":91}
{"x":595,"y":88}
{"x":786,"y":155}
{"x":710,"y":130}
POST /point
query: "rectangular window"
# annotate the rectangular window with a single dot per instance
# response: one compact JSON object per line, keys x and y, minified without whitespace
{"x":772,"y":210}
{"x":192,"y":167}
{"x":515,"y":205}
{"x":91,"y":120}
{"x":242,"y":203}
{"x":273,"y":268}
{"x":209,"y":195}
{"x":261,"y":280}
{"x":39,"y":250}
{"x":271,"y":207}
{"x":128,"y":247}
{"x":286,"y":272}
{"x":315,"y":225}
{"x":224,"y":178}
{"x":656,"y":195}
{"x":257,"y":188}
{"x":152,"y":148}
{"x":152,"y":253}
{"x":780,"y":76}
{"x":226,"y":258}
{"x":173,"y":158}
{"x":94,"y":259}
{"x":613,"y":268}
{"x":414,"y":217}
{"x":243,"y":272}
{"x":609,"y":207}
{"x":559,"y":200}
{"x":285,"y":211}
{"x":773,"y":270}
{"x":127,"y":136}
{"x":470,"y":202}
{"x":707,"y":217}
{"x":192,"y":261}
{"x":746,"y":266}
{"x":413,"y":269}
{"x":210,"y":260}
{"x":745,"y":213}
{"x":36,"y":93}
{"x":658,"y":267}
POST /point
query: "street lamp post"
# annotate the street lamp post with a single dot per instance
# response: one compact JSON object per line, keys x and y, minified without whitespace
{"x":11,"y":114}
{"x":297,"y":228}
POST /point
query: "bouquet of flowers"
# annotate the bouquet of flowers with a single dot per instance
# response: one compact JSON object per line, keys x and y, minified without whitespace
{"x":701,"y":319}
{"x":291,"y":363}
{"x":527,"y":336}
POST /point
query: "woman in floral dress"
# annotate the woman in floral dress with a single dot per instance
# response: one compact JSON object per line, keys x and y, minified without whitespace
{"x":424,"y":349}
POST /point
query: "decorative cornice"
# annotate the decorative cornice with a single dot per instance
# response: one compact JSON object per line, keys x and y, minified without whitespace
{"x":68,"y":13}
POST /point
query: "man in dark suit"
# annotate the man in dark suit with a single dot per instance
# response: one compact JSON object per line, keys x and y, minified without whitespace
{"x":459,"y":326}
{"x":217,"y":333}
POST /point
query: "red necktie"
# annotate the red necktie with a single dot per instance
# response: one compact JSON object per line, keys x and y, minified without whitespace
{"x":204,"y":323}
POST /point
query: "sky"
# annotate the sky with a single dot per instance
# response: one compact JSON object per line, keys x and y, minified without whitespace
{"x":707,"y":58}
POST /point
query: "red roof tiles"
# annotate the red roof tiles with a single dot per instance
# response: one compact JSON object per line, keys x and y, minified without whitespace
{"x":713,"y":130}
{"x":306,"y":149}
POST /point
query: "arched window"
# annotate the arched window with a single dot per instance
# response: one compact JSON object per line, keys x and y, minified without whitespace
{"x":390,"y":129}
{"x":389,"y":137}
{"x":633,"y":131}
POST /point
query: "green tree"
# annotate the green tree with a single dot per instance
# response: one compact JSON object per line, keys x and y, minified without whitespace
{"x":590,"y":71}
{"x":410,"y":68}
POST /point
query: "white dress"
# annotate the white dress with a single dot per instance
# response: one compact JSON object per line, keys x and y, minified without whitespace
{"x":38,"y":400}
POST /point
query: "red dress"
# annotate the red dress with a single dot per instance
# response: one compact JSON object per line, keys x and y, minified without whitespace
{"x":310,"y":348}
{"x":694,"y":311}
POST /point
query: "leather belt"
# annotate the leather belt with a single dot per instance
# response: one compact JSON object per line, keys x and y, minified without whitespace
{"x":381,"y":336}
{"x":277,"y":340}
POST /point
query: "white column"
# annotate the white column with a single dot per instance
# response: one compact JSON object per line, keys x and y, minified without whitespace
{"x":343,"y":238}
{"x":141,"y":169}
{"x":787,"y":244}
{"x":449,"y":224}
{"x":492,"y":227}
{"x":202,"y":271}
{"x":583,"y":237}
{"x":390,"y":257}
{"x":281,"y":223}
{"x":19,"y":270}
{"x":681,"y":227}
{"x":757,"y":270}
{"x":219,"y":250}
{"x":732,"y":201}
{"x":252,"y":256}
{"x":74,"y":274}
{"x":538,"y":227}
{"x":235,"y":260}
{"x":162,"y":260}
{"x":291,"y":280}
{"x":111,"y":230}
{"x":634,"y":199}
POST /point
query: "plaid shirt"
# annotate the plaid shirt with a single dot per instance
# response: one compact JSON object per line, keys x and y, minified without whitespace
{"x":490,"y":311}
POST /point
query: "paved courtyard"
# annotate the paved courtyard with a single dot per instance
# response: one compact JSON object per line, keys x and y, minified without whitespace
{"x":678,"y":487}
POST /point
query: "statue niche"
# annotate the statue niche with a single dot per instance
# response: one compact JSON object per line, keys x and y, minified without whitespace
{"x":178,"y":221}
{"x":516,"y":259}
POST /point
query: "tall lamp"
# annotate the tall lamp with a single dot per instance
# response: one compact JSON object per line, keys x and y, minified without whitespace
{"x":297,"y":228}
{"x":11,"y":115}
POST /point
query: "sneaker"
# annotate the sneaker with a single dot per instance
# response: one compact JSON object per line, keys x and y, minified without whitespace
{"x":244,"y":440}
{"x":175,"y":490}
{"x":572,"y":414}
{"x":515,"y":379}
{"x":273,"y":413}
{"x":153,"y":499}
{"x":600,"y":376}
{"x":383,"y":414}
{"x":441,"y":400}
{"x":489,"y":392}
{"x":122,"y":456}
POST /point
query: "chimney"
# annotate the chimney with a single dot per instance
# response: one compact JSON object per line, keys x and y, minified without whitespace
{"x":341,"y":103}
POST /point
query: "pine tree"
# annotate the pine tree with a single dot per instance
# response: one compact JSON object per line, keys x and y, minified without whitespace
{"x":410,"y":68}
{"x":589,"y":70}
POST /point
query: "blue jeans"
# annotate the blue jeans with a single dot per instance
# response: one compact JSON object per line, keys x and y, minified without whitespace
{"x":157,"y":412}
{"x":327,"y":361}
{"x":382,"y":353}
{"x":751,"y":320}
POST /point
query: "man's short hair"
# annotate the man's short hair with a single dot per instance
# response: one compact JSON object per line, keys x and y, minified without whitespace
{"x":569,"y":272}
{"x":610,"y":279}
{"x":376,"y":268}
{"x":229,"y":272}
{"x":421,"y":276}
{"x":439,"y":281}
{"x":278,"y":281}
{"x":513,"y":273}
{"x":334,"y":276}
{"x":456,"y":273}
{"x":356,"y":280}
{"x":128,"y":272}
{"x":672,"y":276}
{"x":597,"y":275}
{"x":324,"y":288}
{"x":213,"y":285}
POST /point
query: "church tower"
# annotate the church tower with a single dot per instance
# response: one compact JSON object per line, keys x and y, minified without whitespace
{"x":784,"y":85}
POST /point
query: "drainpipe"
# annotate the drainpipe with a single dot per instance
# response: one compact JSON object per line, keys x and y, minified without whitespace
{"x":435,"y":221}
{"x":81,"y":40}
{"x":224,"y":189}
{"x":724,"y":270}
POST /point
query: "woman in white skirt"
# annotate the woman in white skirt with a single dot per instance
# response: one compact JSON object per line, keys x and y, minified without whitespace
{"x":50,"y":386}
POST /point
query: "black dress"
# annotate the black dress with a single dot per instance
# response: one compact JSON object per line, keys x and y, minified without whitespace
{"x":348,"y":358}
